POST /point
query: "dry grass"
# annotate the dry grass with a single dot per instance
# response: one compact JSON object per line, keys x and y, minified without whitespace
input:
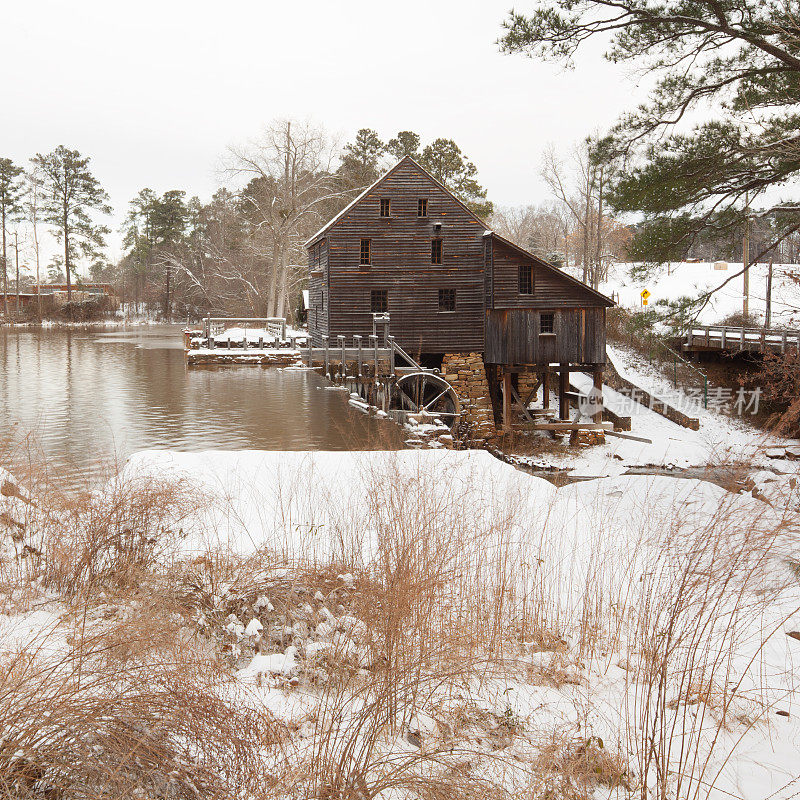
{"x":139,"y":695}
{"x":76,"y":726}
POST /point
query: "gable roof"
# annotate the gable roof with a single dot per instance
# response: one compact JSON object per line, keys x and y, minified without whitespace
{"x":403,"y":160}
{"x":606,"y":301}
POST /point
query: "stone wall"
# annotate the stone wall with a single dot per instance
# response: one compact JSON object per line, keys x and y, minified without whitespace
{"x":527,"y":380}
{"x":466,"y":373}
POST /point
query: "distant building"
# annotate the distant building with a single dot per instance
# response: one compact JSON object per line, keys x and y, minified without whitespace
{"x":81,"y":292}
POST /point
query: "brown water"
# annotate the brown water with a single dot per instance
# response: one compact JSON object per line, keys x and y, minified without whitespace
{"x":91,"y":397}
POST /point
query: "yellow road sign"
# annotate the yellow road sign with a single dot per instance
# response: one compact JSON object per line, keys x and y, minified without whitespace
{"x":645,"y":295}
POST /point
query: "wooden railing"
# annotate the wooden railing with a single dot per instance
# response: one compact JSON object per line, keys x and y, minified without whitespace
{"x":214,"y":326}
{"x":726,"y":337}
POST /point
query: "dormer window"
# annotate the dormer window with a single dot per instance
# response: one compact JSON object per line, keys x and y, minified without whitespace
{"x":386,"y":207}
{"x":436,"y":251}
{"x":422,"y":207}
{"x":366,"y":251}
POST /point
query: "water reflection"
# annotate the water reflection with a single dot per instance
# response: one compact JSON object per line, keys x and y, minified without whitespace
{"x":94,"y":396}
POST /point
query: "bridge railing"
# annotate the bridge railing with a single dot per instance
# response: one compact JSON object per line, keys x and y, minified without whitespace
{"x":215,"y":326}
{"x":732,"y":336}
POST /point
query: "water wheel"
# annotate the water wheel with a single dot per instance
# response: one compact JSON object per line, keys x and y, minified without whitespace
{"x":425,"y":394}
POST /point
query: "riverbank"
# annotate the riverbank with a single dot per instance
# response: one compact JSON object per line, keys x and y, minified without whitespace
{"x":405,"y":623}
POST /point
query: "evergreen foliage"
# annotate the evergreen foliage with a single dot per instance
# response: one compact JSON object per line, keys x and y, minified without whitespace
{"x":72,"y":194}
{"x":11,"y":191}
{"x":732,"y":64}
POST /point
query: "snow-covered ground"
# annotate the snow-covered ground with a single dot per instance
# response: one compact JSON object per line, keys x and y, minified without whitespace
{"x":584,"y":578}
{"x":308,"y":504}
{"x":685,"y":279}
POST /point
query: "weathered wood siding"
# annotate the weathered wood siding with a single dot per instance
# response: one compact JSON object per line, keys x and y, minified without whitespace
{"x":490,"y":314}
{"x":401,"y":264}
{"x":551,"y":289}
{"x":513,"y":336}
{"x":318,"y":293}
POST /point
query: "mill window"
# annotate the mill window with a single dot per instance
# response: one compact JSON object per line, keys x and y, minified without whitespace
{"x":525,"y":279}
{"x":422,"y":207}
{"x":547,"y":323}
{"x":386,"y":207}
{"x":447,"y":299}
{"x":379,"y":301}
{"x":436,"y":251}
{"x":366,"y":251}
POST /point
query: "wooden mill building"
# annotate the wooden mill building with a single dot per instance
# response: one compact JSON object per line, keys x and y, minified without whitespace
{"x":454,"y":291}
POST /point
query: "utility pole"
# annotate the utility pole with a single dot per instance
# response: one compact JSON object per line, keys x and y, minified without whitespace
{"x":746,"y":259}
{"x":16,"y":259}
{"x":768,"y":315}
{"x":167,"y":303}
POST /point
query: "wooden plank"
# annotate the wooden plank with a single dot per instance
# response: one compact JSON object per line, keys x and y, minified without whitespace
{"x":563,"y":392}
{"x":628,"y":436}
{"x":507,"y":389}
{"x":573,"y":426}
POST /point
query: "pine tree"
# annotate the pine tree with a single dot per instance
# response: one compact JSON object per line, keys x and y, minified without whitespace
{"x":71,"y":194}
{"x":738,"y":59}
{"x":445,"y":161}
{"x":406,"y":143}
{"x":361,"y":158}
{"x":11,"y":190}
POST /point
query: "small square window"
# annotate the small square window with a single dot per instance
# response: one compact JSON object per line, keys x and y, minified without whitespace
{"x":547,"y":323}
{"x":525,"y":279}
{"x":386,"y":207}
{"x":447,"y":299}
{"x":379,"y":300}
{"x":366,"y":251}
{"x":436,"y":251}
{"x":422,"y":207}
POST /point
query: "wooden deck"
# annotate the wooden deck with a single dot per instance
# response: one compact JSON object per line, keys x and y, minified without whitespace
{"x":740,"y":340}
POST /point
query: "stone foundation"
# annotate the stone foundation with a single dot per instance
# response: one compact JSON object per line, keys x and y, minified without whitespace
{"x":587,"y":438}
{"x":527,"y":380}
{"x":466,"y":373}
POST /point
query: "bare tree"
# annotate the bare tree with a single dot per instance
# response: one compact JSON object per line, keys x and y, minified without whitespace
{"x":33,"y":213}
{"x":291,"y":186}
{"x":578,"y":187}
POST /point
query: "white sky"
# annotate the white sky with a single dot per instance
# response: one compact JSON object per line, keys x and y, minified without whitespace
{"x":155,"y":91}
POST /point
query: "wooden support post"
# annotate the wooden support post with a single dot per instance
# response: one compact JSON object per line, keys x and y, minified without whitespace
{"x":563,"y":392}
{"x":391,"y":355}
{"x":506,"y":400}
{"x":598,"y":399}
{"x":373,"y":341}
{"x":724,"y":337}
{"x":244,"y":338}
{"x":210,"y":343}
{"x":360,"y":355}
{"x":343,"y":369}
{"x":327,"y":357}
{"x":545,"y":390}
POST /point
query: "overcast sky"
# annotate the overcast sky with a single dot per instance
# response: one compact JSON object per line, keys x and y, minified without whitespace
{"x":155,"y":91}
